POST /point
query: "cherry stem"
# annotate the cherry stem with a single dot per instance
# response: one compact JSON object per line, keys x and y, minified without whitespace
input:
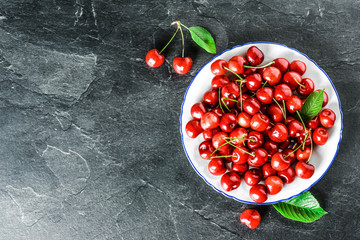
{"x":220,"y":101}
{"x":284,"y":110}
{"x":240,"y":149}
{"x":238,"y":80}
{"x":294,"y":146}
{"x":224,"y":156}
{"x":225,"y":105}
{"x":302,"y":85}
{"x":182,"y":38}
{"x":226,"y":142}
{"x":241,"y":99}
{"x":233,"y":73}
{"x":280,"y":109}
{"x":264,"y":84}
{"x":177,"y":29}
{"x":266,"y":65}
{"x":229,"y":99}
{"x":301,"y":121}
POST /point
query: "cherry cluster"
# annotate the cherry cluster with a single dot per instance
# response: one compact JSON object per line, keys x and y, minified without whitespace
{"x":181,"y":65}
{"x":252,"y":126}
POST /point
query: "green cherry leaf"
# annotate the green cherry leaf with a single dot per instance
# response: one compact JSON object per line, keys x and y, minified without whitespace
{"x":303,"y":208}
{"x":312,"y":105}
{"x":203,"y":38}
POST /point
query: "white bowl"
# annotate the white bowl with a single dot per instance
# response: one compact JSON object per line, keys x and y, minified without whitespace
{"x":322,"y":156}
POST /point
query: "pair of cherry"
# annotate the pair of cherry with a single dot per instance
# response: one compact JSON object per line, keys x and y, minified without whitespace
{"x":181,"y":65}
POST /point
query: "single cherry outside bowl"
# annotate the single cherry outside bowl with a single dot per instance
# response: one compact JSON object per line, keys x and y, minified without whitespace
{"x":322,"y":156}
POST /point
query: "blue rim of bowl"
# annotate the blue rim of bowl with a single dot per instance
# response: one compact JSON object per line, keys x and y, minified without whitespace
{"x":233,"y":197}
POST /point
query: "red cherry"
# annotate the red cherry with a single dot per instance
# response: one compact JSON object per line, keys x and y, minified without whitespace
{"x":291,"y":155}
{"x":193,"y":128}
{"x":259,"y":122}
{"x":253,"y":176}
{"x":240,"y":168}
{"x":287,"y":175}
{"x":253,"y":81}
{"x":258,"y":193}
{"x":313,"y":123}
{"x":228,"y":122}
{"x":295,"y":128}
{"x":219,"y":139}
{"x":230,"y":181}
{"x":273,"y":185}
{"x":206,"y":149}
{"x":304,"y":170}
{"x":154,"y":58}
{"x":197,"y":110}
{"x":219,"y":81}
{"x":209,"y":121}
{"x":251,"y":218}
{"x":251,"y":105}
{"x":282,"y":64}
{"x":256,"y":140}
{"x":244,"y":119}
{"x":282,"y":92}
{"x":254,"y":56}
{"x":272,"y":75}
{"x":216,"y":166}
{"x":290,"y":77}
{"x":211,"y":98}
{"x":278,"y":133}
{"x":320,"y":136}
{"x":218,"y":112}
{"x":298,"y":66}
{"x":241,"y":155}
{"x":271,"y":147}
{"x":260,"y":157}
{"x":182,"y":65}
{"x":268,"y":171}
{"x":231,"y":90}
{"x":275,"y":113}
{"x":217,"y":67}
{"x":293,"y":104}
{"x":236,"y":64}
{"x":289,"y":119}
{"x":307,"y":88}
{"x":303,"y":155}
{"x":209,"y":133}
{"x":279,"y":162}
{"x":326,"y":99}
{"x":236,"y":136}
{"x":265,"y":95}
{"x":327,"y":118}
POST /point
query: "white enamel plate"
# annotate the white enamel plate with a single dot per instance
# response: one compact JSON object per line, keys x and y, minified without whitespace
{"x":322,"y":156}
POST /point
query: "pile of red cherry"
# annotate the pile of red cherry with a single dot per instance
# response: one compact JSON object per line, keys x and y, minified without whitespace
{"x":251,"y":124}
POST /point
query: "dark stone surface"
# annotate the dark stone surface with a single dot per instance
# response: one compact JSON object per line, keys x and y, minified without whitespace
{"x":90,"y":144}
